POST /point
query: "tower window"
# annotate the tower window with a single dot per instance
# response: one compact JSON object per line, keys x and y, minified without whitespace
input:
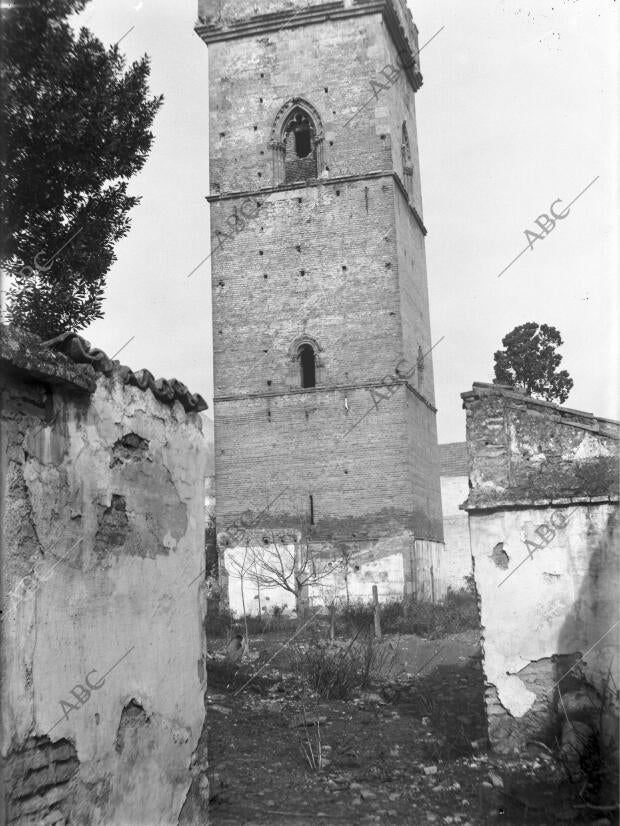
{"x":303,"y":142}
{"x":297,"y":141}
{"x":299,"y":150}
{"x":307,"y":366}
{"x":407,"y":162}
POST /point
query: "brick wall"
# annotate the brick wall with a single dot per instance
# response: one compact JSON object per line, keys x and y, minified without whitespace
{"x":339,"y":260}
{"x":37,"y":781}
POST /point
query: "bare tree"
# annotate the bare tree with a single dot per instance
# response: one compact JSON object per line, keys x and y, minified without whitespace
{"x":289,"y":563}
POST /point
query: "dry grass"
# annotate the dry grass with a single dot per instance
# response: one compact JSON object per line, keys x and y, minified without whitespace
{"x":337,"y":671}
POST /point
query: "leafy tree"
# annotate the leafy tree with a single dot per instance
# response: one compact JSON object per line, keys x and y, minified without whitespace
{"x":76,"y":128}
{"x":530,"y":360}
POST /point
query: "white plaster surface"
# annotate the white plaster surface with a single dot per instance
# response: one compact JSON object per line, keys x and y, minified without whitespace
{"x":456,"y":560}
{"x":134,"y":604}
{"x":374,"y":566}
{"x":561,"y":600}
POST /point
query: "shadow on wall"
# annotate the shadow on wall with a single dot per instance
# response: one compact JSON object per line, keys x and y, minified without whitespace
{"x":588,"y":674}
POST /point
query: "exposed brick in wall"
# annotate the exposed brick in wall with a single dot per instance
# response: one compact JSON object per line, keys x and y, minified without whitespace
{"x":102,"y":532}
{"x":36,"y":780}
{"x":522,"y":450}
{"x":340,"y":260}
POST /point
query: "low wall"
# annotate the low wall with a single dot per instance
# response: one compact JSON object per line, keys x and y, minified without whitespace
{"x":377,"y":563}
{"x":433,"y":568}
{"x":456,"y":562}
{"x":103,"y":661}
{"x":542,"y":613}
{"x":543,"y":508}
{"x":398,"y":566}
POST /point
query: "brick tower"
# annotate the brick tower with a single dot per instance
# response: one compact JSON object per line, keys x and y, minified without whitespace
{"x":324,"y":401}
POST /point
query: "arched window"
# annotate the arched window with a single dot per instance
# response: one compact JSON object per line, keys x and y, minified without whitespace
{"x":299,"y":148}
{"x":297,"y":143}
{"x":407,"y":162}
{"x":307,"y":366}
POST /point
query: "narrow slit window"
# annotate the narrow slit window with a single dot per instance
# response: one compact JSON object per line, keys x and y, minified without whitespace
{"x":311,"y":510}
{"x":307,"y":366}
{"x":407,"y":162}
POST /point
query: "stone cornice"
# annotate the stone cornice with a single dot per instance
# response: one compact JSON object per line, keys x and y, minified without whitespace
{"x":311,"y":391}
{"x":301,"y":185}
{"x":263,"y":24}
{"x":472,"y":506}
{"x":407,"y":198}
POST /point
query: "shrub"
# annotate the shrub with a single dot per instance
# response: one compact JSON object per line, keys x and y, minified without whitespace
{"x":336,"y":672}
{"x":458,"y":612}
{"x":219,"y":625}
{"x":356,"y":617}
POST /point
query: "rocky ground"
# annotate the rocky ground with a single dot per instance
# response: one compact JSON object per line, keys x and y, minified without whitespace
{"x":409,"y":750}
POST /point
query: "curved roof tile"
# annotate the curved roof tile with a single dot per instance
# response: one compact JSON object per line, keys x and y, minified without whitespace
{"x":165,"y":390}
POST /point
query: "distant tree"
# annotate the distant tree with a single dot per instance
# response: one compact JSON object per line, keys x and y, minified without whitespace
{"x":75,"y":129}
{"x":530,"y":360}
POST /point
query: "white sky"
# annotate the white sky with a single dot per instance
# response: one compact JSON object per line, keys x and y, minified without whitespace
{"x":518,"y":109}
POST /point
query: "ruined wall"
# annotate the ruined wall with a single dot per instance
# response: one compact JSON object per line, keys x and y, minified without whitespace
{"x":379,"y":563}
{"x":544,"y":533}
{"x":103,"y":555}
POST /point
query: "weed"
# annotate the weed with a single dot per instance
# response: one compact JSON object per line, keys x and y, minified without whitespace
{"x":458,"y":612}
{"x":337,"y":671}
{"x":310,"y":744}
{"x":588,"y":753}
{"x":219,"y":625}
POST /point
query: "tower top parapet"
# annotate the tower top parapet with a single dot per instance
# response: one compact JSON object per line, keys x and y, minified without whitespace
{"x":232,"y":19}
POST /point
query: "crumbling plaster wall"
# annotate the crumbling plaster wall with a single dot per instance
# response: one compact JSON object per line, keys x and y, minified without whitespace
{"x":544,"y":537}
{"x":561,"y":601}
{"x":379,"y":563}
{"x":102,"y":651}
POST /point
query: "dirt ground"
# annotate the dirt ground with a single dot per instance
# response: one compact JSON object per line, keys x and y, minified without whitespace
{"x":410,"y":750}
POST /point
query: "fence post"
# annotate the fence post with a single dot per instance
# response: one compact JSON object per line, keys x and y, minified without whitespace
{"x":375,"y":599}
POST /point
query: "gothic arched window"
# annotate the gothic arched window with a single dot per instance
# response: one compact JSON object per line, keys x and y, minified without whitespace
{"x":297,"y":143}
{"x":299,"y":148}
{"x":407,"y":162}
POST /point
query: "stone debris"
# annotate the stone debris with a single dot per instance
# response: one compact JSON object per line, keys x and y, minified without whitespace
{"x":235,"y":649}
{"x":371,"y":697}
{"x":366,"y":794}
{"x":222,"y":709}
{"x":301,"y":720}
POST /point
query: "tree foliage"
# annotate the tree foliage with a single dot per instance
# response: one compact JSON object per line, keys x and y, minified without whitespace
{"x":530,"y":360}
{"x":76,"y":128}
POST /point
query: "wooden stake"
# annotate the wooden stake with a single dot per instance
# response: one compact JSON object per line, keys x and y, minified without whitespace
{"x":375,"y":599}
